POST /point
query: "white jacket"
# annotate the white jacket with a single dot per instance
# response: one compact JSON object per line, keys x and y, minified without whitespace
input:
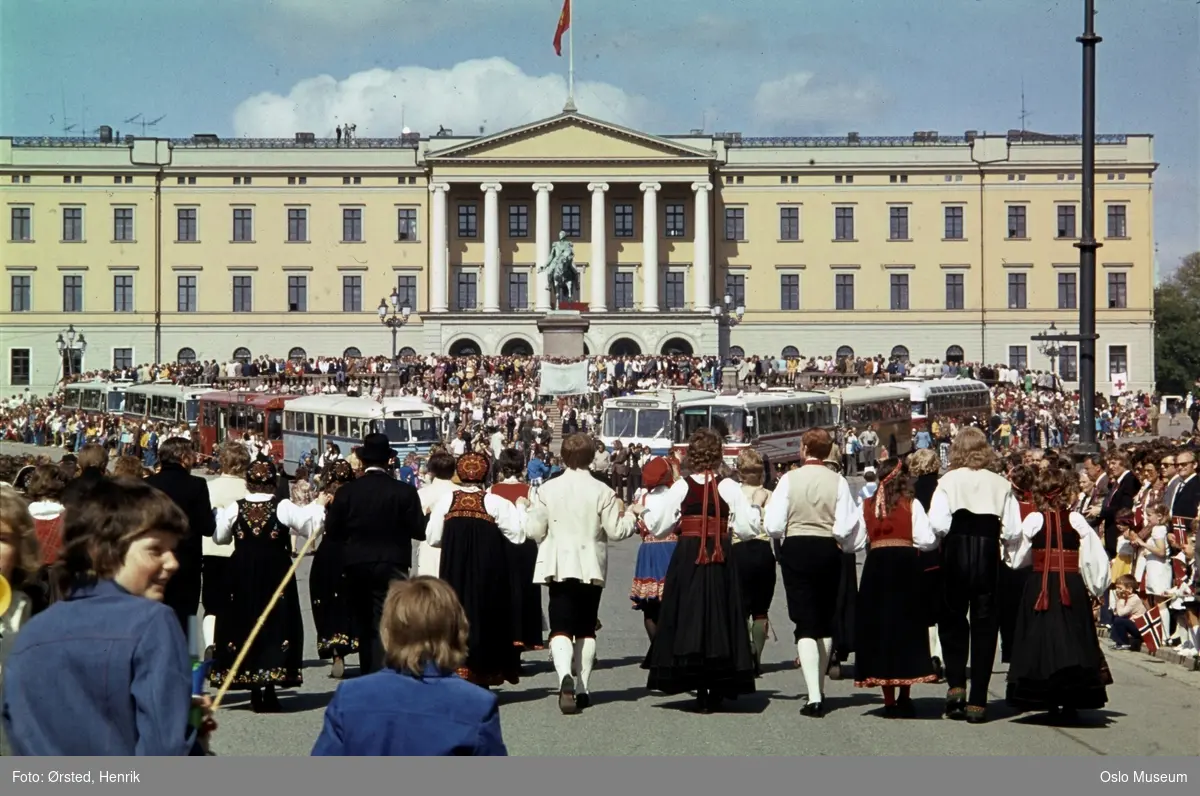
{"x":573,"y":518}
{"x":222,"y":491}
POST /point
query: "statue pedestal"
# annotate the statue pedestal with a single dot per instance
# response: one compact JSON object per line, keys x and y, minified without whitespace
{"x":562,"y":333}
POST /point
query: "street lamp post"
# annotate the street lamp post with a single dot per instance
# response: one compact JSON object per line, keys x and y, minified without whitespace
{"x":68,"y":342}
{"x":1087,"y":244}
{"x":1048,"y":346}
{"x":393,"y":317}
{"x":727,"y":317}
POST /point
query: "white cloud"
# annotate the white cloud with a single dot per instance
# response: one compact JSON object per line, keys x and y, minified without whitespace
{"x":807,"y":100}
{"x":491,"y":92}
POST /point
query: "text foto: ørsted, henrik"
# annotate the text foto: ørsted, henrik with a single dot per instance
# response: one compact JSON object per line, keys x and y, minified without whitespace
{"x":77,"y":777}
{"x":1143,"y":776}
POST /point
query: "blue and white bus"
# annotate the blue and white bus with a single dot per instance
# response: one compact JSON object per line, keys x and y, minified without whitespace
{"x":645,"y":418}
{"x":96,"y":397}
{"x":164,"y":402}
{"x":309,"y":423}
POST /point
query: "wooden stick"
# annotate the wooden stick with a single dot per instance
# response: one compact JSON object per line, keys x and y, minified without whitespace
{"x":262,"y":620}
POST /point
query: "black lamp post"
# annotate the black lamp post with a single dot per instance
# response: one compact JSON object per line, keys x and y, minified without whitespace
{"x":1048,"y":345}
{"x":393,"y":317}
{"x":727,"y":317}
{"x":68,"y":342}
{"x":1087,"y":244}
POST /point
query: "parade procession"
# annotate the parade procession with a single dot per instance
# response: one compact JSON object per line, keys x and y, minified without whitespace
{"x":655,"y":445}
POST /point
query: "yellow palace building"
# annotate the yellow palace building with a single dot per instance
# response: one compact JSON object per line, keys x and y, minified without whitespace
{"x":928,"y":246}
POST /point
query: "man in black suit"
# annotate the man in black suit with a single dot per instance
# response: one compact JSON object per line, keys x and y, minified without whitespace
{"x":1186,"y":499}
{"x":379,"y":518}
{"x":1124,"y":487}
{"x":190,"y":493}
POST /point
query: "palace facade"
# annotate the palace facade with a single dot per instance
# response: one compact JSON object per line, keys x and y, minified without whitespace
{"x":927,"y":247}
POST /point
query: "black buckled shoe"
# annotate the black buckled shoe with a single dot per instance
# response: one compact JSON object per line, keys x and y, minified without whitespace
{"x":814,"y":710}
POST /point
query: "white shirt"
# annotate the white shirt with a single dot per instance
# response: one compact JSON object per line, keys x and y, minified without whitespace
{"x":509,"y":518}
{"x":664,"y":513}
{"x":302,"y":520}
{"x":846,"y":515}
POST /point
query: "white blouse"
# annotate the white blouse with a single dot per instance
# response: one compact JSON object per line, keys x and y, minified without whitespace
{"x":302,"y":520}
{"x":923,"y":537}
{"x":663,"y":514}
{"x":507,"y":515}
{"x":1093,"y":560}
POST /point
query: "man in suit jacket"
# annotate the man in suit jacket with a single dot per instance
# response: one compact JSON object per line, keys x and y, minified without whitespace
{"x":573,"y":518}
{"x":1123,"y":490}
{"x":1186,"y":500}
{"x":378,"y":517}
{"x":1174,"y":480}
{"x":190,"y":493}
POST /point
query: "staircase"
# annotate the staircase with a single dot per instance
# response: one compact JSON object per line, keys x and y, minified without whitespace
{"x":554,"y":420}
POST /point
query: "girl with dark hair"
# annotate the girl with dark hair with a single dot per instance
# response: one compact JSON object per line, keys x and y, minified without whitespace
{"x":336,"y":635}
{"x":260,"y":523}
{"x":1057,"y":663}
{"x":891,"y":639}
{"x":522,"y":558}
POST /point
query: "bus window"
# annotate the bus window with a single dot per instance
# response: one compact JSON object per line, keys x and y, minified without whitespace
{"x":692,"y":419}
{"x":652,"y":423}
{"x":343,"y":427}
{"x":423,"y":429}
{"x":619,"y":423}
{"x":734,"y":420}
{"x":192,"y":409}
{"x":331,"y":425}
{"x":275,"y":425}
{"x":396,"y":429}
{"x":355,"y":427}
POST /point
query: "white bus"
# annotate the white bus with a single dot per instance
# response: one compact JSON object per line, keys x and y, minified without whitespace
{"x":885,"y":408}
{"x":309,"y":423}
{"x":645,"y":418}
{"x":772,"y":421}
{"x":949,"y":398}
{"x":96,"y":397}
{"x":163,"y":402}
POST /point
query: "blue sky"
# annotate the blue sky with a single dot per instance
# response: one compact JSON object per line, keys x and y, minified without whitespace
{"x":274,"y":67}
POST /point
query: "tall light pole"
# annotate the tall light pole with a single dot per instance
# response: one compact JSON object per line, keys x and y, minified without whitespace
{"x":1087,"y":244}
{"x":1048,"y":346}
{"x":393,"y":317}
{"x":727,"y":317}
{"x":68,"y":342}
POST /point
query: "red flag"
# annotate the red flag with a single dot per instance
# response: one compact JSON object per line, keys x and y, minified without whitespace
{"x":564,"y":22}
{"x":1150,"y":625}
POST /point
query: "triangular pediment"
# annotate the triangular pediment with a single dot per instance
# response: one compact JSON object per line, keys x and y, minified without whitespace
{"x":569,"y":136}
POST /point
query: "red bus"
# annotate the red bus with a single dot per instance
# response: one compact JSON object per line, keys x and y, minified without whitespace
{"x":227,"y":415}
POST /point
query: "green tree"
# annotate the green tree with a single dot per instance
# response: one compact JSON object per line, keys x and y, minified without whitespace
{"x":1177,"y":328}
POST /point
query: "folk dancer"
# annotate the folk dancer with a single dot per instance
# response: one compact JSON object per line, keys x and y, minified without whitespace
{"x":336,"y":634}
{"x":814,"y":512}
{"x":924,"y":466}
{"x":842,"y":631}
{"x":974,"y":512}
{"x":702,"y":643}
{"x":573,"y":518}
{"x":473,"y":529}
{"x":260,"y":524}
{"x":379,"y":518}
{"x":1057,"y":662}
{"x":522,"y":559}
{"x":755,"y":558}
{"x":892,"y":642}
{"x":1023,"y":477}
{"x":228,"y":487}
{"x":654,"y":555}
{"x":441,"y":471}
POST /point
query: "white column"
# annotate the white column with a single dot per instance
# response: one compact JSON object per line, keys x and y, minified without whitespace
{"x":438,"y":267}
{"x":491,"y":246}
{"x":650,"y":245}
{"x":544,"y":240}
{"x":702,"y":299}
{"x":598,"y":265}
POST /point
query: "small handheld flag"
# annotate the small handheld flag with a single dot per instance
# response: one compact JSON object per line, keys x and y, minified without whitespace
{"x":1150,"y":626}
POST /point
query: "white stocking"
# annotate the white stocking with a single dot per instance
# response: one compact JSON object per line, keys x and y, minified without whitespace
{"x":935,"y":643}
{"x":810,"y":666}
{"x":585,"y":660}
{"x":561,"y":652}
{"x":210,"y":631}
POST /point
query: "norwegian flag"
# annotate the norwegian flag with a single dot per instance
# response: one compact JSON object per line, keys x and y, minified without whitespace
{"x":1150,"y":625}
{"x":1179,"y":532}
{"x":1179,"y":569}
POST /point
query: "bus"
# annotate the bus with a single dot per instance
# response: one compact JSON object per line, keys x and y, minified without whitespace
{"x":228,"y":415}
{"x":96,"y":397}
{"x":949,"y":398}
{"x":771,"y":421}
{"x":310,"y":422}
{"x":163,"y":402}
{"x":645,"y":418}
{"x":885,"y":408}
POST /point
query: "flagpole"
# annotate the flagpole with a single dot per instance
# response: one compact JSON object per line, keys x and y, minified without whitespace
{"x":570,"y":106}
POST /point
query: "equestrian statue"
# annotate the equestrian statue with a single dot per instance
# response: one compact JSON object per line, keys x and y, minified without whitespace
{"x":560,"y":269}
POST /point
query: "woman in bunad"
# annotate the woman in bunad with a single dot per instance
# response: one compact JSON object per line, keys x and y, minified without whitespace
{"x":441,"y":473}
{"x":260,"y":524}
{"x":522,"y":559}
{"x":891,"y":634}
{"x":755,"y":557}
{"x":924,"y":467}
{"x":474,"y":530}
{"x":702,"y":643}
{"x":336,"y":636}
{"x":1057,"y":662}
{"x":1023,"y":477}
{"x":654,"y":555}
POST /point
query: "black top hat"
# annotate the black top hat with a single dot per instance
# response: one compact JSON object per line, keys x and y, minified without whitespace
{"x":376,"y":449}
